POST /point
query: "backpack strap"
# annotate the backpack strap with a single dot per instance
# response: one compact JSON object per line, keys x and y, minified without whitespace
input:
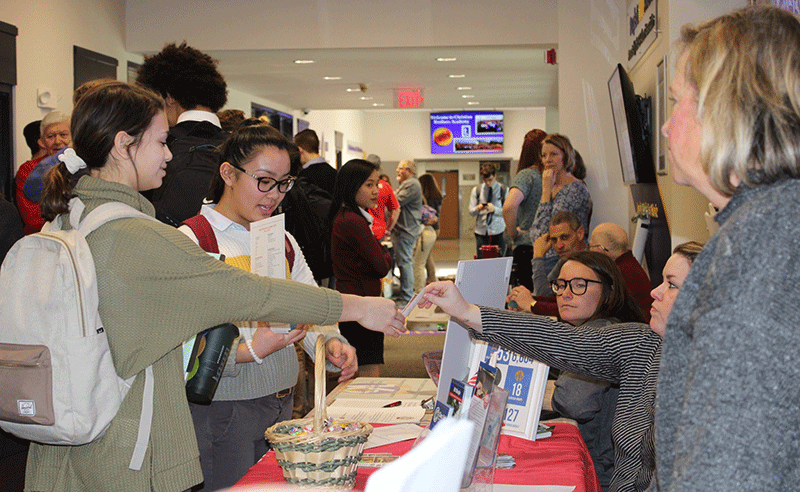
{"x":145,"y":421}
{"x":97,"y":217}
{"x":202,"y":229}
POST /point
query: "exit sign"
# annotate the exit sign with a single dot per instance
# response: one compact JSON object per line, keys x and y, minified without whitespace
{"x":408,"y":98}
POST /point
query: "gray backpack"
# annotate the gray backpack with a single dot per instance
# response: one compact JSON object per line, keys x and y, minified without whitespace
{"x":58,"y":384}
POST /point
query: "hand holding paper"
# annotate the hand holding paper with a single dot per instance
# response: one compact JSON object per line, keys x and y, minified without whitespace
{"x":447,"y":296}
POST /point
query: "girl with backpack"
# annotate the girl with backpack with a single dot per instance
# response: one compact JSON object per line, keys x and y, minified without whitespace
{"x":359,"y":260}
{"x":253,"y":178}
{"x":156,"y":289}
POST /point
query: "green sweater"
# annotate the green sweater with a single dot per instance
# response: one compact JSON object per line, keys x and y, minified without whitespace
{"x":157,"y":288}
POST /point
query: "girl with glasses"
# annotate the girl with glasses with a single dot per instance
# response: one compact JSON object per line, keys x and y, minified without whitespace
{"x":626,"y":354}
{"x":156,"y":289}
{"x":254,"y":176}
{"x":359,"y":260}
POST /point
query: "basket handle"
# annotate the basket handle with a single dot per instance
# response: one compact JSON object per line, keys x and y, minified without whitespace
{"x":320,"y":405}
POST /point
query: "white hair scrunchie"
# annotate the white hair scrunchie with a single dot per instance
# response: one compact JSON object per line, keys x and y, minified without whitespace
{"x":72,"y":161}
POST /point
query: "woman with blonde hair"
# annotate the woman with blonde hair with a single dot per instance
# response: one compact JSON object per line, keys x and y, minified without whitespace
{"x":727,"y":394}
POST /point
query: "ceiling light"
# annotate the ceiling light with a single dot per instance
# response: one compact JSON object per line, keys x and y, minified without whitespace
{"x":446,"y":59}
{"x":332,"y":78}
{"x":350,"y":89}
{"x":365,"y":98}
{"x":456,"y":76}
{"x":467,"y":96}
{"x":304,"y":62}
{"x":464,"y":88}
{"x":472,"y":103}
{"x":377,"y":105}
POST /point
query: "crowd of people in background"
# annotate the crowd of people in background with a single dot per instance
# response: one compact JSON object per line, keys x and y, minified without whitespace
{"x":578,"y":299}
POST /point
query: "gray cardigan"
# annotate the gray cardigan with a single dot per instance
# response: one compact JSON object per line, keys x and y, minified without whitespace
{"x":728,"y":408}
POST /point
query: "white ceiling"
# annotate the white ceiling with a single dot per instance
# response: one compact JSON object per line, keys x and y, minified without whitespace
{"x":499,"y":76}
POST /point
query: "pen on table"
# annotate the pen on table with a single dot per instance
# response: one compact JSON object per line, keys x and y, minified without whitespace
{"x":393,"y":404}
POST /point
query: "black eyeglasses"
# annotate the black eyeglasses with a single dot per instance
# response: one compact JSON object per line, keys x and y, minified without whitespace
{"x":577,"y":285}
{"x":599,"y":246}
{"x":267,"y":184}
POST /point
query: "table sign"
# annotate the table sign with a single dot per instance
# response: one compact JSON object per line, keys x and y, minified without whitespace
{"x":525,"y":380}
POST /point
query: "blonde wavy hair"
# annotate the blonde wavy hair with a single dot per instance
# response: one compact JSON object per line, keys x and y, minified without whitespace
{"x":745,"y":68}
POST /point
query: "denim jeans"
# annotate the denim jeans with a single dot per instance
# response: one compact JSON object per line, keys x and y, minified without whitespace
{"x":403,"y":244}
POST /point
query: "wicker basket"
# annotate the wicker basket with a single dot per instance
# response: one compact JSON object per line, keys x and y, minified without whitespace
{"x":319,"y":459}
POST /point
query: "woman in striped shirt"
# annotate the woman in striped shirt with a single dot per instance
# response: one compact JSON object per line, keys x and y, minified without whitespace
{"x":626,"y":354}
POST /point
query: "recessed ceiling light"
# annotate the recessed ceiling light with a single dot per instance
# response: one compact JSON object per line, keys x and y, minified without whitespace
{"x":377,"y":105}
{"x":304,"y":62}
{"x":456,"y":76}
{"x":464,"y":88}
{"x":472,"y":103}
{"x":446,"y":59}
{"x":332,"y":78}
{"x":467,"y":96}
{"x":350,"y":89}
{"x":365,"y":98}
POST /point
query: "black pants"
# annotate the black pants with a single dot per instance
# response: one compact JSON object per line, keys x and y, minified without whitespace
{"x":521,"y":270}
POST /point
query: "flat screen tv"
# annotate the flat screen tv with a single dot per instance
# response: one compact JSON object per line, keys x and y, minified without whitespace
{"x":633,"y":139}
{"x":279,"y":120}
{"x":475,"y":132}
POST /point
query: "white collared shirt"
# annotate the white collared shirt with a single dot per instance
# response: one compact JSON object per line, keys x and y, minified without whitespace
{"x":199,"y":115}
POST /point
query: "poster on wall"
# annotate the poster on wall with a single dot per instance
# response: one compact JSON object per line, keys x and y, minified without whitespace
{"x":642,"y":28}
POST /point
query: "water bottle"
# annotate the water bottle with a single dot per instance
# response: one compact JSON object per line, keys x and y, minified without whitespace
{"x":208,"y":359}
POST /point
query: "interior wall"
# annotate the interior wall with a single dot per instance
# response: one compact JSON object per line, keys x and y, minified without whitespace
{"x":398,"y":135}
{"x":47,"y":32}
{"x":587,"y":55}
{"x":685,"y":206}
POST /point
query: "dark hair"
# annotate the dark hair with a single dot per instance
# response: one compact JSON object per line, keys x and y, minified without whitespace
{"x":99,"y":115}
{"x":487,"y":169}
{"x":91,"y":85}
{"x":616,"y":303}
{"x":32,"y":134}
{"x":241,"y":147}
{"x":230,"y":119}
{"x":531,"y":155}
{"x":689,"y":250}
{"x":308,"y":141}
{"x":187,"y":74}
{"x":566,"y":217}
{"x":348,"y":180}
{"x":430,"y":190}
{"x":565,"y":146}
{"x":579,"y":172}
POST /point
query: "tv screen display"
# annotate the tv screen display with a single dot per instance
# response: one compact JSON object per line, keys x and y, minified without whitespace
{"x":467,"y":132}
{"x":634,"y":146}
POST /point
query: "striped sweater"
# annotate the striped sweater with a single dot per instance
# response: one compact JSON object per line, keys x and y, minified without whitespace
{"x":627,"y":354}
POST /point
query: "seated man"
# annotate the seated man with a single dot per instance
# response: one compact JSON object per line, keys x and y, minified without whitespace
{"x":612,"y":240}
{"x":565,"y":236}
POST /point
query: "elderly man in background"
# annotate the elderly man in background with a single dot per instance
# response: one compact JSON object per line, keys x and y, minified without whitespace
{"x":612,"y":240}
{"x":54,"y":136}
{"x":405,"y":231}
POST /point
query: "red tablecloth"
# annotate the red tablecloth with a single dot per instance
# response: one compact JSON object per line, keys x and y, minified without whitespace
{"x":561,"y":459}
